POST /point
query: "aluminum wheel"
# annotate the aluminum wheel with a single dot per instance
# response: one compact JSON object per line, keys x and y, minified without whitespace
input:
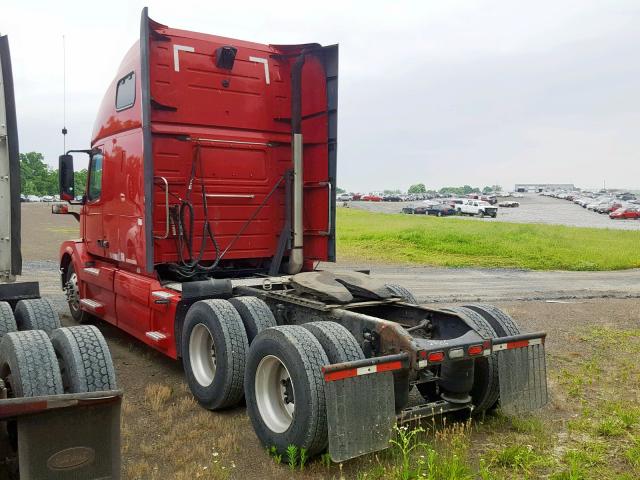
{"x":72,"y":292}
{"x":275,"y":395}
{"x":202,"y":354}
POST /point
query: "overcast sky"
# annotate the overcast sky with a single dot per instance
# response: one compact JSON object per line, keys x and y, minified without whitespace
{"x":445,"y":93}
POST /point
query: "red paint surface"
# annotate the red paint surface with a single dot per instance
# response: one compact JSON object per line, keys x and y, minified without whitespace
{"x":210,"y":103}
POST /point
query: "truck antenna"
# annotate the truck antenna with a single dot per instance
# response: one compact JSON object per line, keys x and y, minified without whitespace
{"x":64,"y":96}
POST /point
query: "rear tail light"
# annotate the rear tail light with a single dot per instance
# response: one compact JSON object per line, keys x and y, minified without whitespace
{"x":434,"y":357}
{"x":475,"y":350}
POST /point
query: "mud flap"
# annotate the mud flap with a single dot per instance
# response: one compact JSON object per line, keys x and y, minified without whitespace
{"x":522,"y":375}
{"x":360,"y":414}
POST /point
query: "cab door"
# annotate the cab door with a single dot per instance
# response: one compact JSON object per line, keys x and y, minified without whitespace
{"x":94,"y":234}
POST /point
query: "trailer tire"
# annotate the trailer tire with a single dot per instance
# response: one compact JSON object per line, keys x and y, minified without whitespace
{"x":7,"y":320}
{"x":36,"y":314}
{"x":286,"y":361}
{"x":403,"y":292}
{"x":28,"y":364}
{"x":214,"y":351}
{"x":486,"y":387}
{"x":336,"y":341}
{"x":502,"y":323}
{"x":255,"y":315}
{"x":84,"y":358}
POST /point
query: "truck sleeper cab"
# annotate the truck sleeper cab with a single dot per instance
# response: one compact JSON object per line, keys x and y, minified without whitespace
{"x":208,"y":205}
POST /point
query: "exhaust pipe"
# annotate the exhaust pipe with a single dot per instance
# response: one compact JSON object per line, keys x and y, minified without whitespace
{"x":296,"y":257}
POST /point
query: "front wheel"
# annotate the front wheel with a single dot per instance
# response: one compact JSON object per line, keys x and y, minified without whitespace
{"x":72,"y":292}
{"x":284,"y":389}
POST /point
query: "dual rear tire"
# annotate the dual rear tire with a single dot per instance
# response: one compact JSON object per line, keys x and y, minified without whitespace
{"x":284,"y":384}
{"x":234,"y":348}
{"x":75,"y":360}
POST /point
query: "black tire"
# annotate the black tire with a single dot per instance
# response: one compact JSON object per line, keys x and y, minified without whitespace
{"x":403,"y":292}
{"x":255,"y":314}
{"x":299,"y":354}
{"x":28,"y":364}
{"x":486,"y":387}
{"x":36,"y":314}
{"x":218,"y":332}
{"x":84,"y":358}
{"x":7,"y":320}
{"x":337,"y":342}
{"x":72,"y":292}
{"x":502,"y":323}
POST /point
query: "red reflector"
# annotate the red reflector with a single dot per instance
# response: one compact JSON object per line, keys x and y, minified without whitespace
{"x":518,"y":344}
{"x":385,"y":367}
{"x":436,"y":356}
{"x":475,"y":350}
{"x":340,"y":374}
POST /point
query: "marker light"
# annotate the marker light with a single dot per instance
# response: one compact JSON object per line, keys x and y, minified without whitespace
{"x":435,"y":357}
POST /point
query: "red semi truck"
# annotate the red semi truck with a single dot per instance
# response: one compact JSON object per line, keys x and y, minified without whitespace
{"x":209,"y":203}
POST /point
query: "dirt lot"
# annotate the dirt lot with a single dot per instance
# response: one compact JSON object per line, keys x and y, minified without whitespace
{"x":533,"y":209}
{"x":167,"y":435}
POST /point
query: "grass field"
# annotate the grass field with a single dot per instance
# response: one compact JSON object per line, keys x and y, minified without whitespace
{"x":452,"y":242}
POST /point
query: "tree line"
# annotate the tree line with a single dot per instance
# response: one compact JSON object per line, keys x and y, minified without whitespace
{"x":464,"y":190}
{"x":38,"y":178}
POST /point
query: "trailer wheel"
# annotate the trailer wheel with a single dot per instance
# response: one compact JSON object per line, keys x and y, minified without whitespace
{"x":72,"y":292}
{"x":7,"y":320}
{"x":255,"y":314}
{"x":486,"y":389}
{"x":28,"y":364}
{"x":403,"y":292}
{"x":336,"y":341}
{"x":36,"y":314}
{"x":284,"y":389}
{"x":214,"y":350}
{"x":84,"y":358}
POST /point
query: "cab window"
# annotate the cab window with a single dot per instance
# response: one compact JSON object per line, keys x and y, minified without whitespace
{"x":126,"y":92}
{"x":95,"y":177}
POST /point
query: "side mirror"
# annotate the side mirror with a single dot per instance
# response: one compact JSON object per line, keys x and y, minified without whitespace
{"x":65,"y":171}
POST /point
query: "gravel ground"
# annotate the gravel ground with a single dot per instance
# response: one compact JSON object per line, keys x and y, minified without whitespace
{"x":533,"y":209}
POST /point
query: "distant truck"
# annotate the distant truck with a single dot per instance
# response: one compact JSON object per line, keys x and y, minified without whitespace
{"x":477,"y":207}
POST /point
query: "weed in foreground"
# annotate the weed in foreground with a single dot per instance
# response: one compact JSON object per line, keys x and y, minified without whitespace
{"x":157,"y":395}
{"x":405,"y":443}
{"x":522,"y":458}
{"x":632,"y":454}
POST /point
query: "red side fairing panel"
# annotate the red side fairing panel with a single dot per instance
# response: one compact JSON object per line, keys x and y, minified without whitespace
{"x":234,"y":124}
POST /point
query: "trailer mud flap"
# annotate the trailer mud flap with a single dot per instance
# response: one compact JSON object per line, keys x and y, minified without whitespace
{"x":360,"y":405}
{"x":69,"y":436}
{"x":522,"y":373}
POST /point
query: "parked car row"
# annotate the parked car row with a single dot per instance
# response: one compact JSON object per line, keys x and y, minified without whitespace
{"x":454,"y":206}
{"x":36,"y":198}
{"x":414,"y":197}
{"x":617,"y":205}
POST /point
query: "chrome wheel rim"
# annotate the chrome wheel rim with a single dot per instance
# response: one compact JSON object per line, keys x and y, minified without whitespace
{"x":275,"y":395}
{"x":202,"y":355}
{"x":73,"y":293}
